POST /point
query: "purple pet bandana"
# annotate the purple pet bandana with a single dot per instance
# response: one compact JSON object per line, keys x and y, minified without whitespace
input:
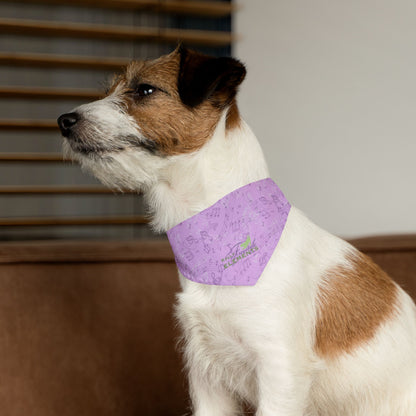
{"x":231,"y":242}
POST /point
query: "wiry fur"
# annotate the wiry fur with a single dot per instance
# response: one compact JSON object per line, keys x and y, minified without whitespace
{"x":258,"y":344}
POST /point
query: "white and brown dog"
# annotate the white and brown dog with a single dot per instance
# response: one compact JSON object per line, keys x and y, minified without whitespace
{"x":324,"y":331}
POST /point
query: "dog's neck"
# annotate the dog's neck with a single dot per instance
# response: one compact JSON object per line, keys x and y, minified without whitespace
{"x":190,"y":183}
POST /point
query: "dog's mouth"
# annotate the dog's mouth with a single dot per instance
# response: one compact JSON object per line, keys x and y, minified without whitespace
{"x":82,"y":136}
{"x":86,"y":148}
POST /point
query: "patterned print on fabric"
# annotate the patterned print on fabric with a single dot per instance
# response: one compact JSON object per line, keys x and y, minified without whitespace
{"x":231,"y":242}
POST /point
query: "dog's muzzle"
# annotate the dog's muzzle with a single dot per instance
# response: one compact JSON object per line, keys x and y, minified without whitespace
{"x":66,"y":123}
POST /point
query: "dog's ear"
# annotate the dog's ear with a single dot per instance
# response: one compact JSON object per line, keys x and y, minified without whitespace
{"x":204,"y":77}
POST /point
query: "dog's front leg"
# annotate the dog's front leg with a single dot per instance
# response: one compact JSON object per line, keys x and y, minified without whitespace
{"x":210,"y":400}
{"x":283,"y":383}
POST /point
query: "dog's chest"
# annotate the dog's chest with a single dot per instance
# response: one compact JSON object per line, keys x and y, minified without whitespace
{"x":215,"y":342}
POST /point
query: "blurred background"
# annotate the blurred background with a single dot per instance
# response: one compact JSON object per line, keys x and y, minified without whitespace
{"x":331,"y":94}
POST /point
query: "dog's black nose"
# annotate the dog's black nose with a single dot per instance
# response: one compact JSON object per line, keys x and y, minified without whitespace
{"x":66,"y":122}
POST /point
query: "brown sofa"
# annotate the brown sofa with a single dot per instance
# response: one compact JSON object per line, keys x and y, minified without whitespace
{"x":86,"y":328}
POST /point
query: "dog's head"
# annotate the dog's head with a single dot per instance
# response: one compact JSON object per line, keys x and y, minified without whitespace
{"x":153,"y":111}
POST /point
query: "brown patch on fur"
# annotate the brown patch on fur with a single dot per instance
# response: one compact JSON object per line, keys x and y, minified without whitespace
{"x":354,"y":301}
{"x":162,"y":117}
{"x":233,"y":117}
{"x":164,"y":120}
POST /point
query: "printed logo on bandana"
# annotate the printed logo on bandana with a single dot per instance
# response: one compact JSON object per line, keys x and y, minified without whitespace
{"x":239,"y":252}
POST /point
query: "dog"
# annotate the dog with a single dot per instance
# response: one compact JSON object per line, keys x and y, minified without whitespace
{"x":323,"y":331}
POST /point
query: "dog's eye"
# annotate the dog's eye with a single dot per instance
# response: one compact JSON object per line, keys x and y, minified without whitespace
{"x":144,"y":90}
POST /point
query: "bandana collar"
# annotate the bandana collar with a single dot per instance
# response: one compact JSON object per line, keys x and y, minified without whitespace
{"x":231,"y":242}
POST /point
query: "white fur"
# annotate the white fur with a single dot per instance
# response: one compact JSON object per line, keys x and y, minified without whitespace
{"x":257,"y":343}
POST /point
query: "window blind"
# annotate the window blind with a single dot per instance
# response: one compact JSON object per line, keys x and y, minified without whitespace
{"x":55,"y":55}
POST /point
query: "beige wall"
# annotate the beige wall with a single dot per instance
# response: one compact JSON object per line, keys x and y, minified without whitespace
{"x":331,"y":95}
